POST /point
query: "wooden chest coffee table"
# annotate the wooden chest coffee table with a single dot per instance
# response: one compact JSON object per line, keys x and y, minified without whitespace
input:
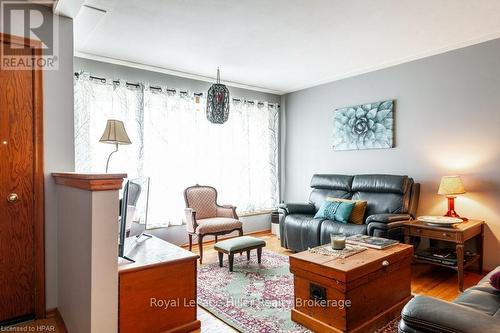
{"x":357,"y":294}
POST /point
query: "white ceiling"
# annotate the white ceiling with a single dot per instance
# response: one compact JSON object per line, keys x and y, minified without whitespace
{"x":279,"y":45}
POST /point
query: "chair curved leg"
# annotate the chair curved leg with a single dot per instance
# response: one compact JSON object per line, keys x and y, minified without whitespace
{"x":190,"y":241}
{"x":200,"y":247}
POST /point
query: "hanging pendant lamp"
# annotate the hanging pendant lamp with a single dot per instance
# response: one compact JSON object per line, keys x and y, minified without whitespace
{"x":218,"y":102}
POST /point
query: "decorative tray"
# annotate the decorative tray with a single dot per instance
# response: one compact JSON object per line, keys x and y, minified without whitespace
{"x":327,"y":250}
{"x":439,"y":220}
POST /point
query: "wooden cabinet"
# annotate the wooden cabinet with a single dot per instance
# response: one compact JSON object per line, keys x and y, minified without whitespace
{"x":157,"y":291}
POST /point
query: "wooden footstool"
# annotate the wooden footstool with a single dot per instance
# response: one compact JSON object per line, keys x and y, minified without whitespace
{"x":239,"y":245}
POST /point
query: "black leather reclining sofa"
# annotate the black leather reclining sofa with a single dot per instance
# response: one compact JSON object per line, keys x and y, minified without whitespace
{"x":391,"y":199}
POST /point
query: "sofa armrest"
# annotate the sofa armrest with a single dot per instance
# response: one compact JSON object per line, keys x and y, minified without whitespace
{"x":297,"y":208}
{"x":388,"y":218}
{"x":429,"y":314}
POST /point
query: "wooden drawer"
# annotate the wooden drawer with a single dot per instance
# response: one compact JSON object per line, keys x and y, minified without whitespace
{"x":434,"y":234}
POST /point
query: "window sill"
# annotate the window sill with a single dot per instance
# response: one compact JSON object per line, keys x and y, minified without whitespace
{"x":260,"y":212}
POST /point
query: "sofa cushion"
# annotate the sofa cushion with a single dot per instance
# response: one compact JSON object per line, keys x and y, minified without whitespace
{"x":332,"y":227}
{"x":358,"y":212}
{"x":335,"y":210}
{"x":332,"y":182}
{"x":301,"y":231}
{"x":318,"y":196}
{"x":380,"y":203}
{"x":217,"y":224}
{"x":479,"y":300}
{"x":485,"y":284}
{"x":380,"y":183}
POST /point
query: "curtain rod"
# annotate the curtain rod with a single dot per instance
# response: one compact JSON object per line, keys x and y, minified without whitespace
{"x":137,"y":85}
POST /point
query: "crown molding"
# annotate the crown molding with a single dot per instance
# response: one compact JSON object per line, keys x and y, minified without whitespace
{"x":164,"y":70}
{"x":445,"y":49}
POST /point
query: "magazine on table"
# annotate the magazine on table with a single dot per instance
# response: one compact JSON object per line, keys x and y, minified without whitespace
{"x":370,"y":241}
{"x":442,"y":256}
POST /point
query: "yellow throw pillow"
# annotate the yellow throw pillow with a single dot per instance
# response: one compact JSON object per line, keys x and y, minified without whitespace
{"x":358,"y":212}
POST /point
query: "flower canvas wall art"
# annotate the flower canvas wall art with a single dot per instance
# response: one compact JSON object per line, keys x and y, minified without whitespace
{"x":367,"y":126}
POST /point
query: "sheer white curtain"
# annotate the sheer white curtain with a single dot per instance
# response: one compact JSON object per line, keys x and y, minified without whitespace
{"x":95,"y":103}
{"x":176,"y":146}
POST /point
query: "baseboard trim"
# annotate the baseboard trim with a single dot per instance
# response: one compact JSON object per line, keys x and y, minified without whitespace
{"x":253,"y":233}
{"x":54,"y":313}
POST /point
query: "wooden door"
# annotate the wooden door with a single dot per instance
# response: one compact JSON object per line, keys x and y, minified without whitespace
{"x":21,"y":191}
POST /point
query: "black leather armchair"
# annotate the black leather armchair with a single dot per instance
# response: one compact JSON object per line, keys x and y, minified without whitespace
{"x":477,"y":310}
{"x":391,"y":200}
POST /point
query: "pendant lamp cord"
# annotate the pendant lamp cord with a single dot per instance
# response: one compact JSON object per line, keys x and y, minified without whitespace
{"x":218,"y":75}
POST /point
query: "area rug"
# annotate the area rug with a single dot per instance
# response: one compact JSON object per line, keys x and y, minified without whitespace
{"x":253,"y":298}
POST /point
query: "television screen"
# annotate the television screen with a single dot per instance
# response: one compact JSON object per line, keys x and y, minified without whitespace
{"x":123,"y":220}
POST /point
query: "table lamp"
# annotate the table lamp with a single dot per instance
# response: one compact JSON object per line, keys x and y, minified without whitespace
{"x":450,"y":186}
{"x":114,"y":133}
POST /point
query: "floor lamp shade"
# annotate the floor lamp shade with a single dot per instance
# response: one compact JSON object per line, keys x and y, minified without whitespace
{"x":115,"y":133}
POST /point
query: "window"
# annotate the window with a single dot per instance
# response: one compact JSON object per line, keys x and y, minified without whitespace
{"x":176,"y":146}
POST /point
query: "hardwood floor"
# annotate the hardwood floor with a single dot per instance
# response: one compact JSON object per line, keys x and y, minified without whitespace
{"x":426,"y":280}
{"x":53,"y":323}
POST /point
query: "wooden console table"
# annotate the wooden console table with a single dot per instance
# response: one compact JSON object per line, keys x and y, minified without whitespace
{"x":158,"y":290}
{"x":457,"y":234}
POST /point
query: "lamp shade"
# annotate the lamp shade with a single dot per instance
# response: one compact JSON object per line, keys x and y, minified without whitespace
{"x":451,"y":185}
{"x":115,"y":133}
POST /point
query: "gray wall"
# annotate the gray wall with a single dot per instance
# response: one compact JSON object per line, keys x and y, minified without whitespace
{"x":447,"y":120}
{"x":58,"y":144}
{"x":130,"y":74}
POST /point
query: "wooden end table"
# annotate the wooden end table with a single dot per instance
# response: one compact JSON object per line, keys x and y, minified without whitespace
{"x":457,"y":234}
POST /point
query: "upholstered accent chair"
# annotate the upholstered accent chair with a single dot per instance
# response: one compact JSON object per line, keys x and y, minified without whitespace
{"x":205,"y":217}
